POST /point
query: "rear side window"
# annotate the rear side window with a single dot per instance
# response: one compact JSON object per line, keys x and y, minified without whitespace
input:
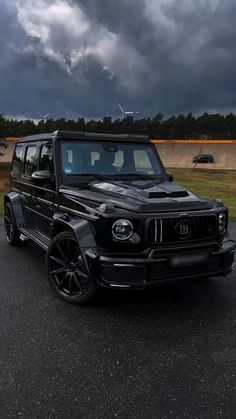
{"x":30,"y":160}
{"x":18,"y":160}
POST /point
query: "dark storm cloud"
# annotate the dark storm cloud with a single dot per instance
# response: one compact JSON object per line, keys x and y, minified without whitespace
{"x":32,"y":81}
{"x":127,"y":19}
{"x":77,"y":57}
{"x":189,"y":48}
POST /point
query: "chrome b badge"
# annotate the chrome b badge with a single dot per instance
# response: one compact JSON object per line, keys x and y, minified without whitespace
{"x":183,"y":230}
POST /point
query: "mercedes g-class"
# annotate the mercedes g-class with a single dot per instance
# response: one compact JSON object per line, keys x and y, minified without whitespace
{"x":108,"y":214}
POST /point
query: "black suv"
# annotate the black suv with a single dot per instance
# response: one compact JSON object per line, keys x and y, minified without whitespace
{"x":108,"y":215}
{"x":203,"y":158}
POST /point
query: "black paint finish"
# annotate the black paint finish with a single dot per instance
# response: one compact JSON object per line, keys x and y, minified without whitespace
{"x":168,"y":220}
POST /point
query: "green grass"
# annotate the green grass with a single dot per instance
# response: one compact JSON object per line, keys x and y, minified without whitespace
{"x":207,"y":183}
{"x":219,"y":184}
{"x":4,"y":179}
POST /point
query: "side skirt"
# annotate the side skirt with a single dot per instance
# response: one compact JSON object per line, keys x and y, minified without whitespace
{"x":36,"y":236}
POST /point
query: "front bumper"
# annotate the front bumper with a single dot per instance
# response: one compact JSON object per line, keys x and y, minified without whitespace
{"x":141,"y":271}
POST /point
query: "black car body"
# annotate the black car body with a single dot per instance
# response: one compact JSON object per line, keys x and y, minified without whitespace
{"x":203,"y":158}
{"x":108,"y":215}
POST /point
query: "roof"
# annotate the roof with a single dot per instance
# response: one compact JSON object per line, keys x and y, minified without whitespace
{"x":80,"y":135}
{"x":195,"y":141}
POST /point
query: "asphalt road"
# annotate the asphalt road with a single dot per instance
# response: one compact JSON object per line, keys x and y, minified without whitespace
{"x":168,"y":353}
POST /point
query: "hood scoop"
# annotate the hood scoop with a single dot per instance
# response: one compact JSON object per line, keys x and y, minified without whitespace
{"x":176,"y":194}
{"x":143,"y":190}
{"x":165,"y":191}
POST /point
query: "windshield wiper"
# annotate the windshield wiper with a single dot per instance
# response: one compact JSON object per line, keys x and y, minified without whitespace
{"x":111,"y":176}
{"x":140,"y":176}
{"x":94,"y":175}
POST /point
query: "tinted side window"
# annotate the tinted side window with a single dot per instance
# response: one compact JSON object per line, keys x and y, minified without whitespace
{"x":46,"y":160}
{"x":18,"y":159}
{"x":30,"y":160}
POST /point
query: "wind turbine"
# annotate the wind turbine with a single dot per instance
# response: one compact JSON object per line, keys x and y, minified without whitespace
{"x":43,"y":117}
{"x":126,"y":113}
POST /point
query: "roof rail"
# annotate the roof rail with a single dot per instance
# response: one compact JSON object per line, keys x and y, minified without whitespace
{"x":80,"y":135}
{"x":66,"y":134}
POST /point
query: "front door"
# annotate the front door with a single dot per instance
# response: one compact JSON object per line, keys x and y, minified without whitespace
{"x":45,"y":193}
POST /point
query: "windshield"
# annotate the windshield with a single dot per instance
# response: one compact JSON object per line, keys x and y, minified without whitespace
{"x":107,"y":159}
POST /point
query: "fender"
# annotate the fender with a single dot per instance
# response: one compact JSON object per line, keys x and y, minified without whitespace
{"x":81,"y":228}
{"x":17,"y":204}
{"x":84,"y":233}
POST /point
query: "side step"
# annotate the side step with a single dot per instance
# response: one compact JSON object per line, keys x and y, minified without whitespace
{"x":36,"y":236}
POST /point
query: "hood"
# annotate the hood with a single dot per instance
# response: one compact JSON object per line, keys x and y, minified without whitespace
{"x":140,"y":195}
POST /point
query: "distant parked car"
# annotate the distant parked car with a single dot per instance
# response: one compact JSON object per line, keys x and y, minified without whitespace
{"x":203,"y":158}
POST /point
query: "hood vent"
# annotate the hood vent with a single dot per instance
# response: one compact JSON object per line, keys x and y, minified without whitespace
{"x":174,"y":194}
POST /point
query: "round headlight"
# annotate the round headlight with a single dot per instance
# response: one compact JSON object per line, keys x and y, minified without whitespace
{"x":122,"y":229}
{"x":222,"y":222}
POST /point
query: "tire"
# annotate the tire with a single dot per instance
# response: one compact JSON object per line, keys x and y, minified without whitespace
{"x":67,"y":272}
{"x":12,"y":232}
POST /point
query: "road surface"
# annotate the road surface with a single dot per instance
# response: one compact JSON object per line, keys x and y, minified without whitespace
{"x":168,"y":353}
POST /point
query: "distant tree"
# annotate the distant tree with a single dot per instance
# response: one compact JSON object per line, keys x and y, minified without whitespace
{"x":91,"y":125}
{"x":230,"y":126}
{"x":183,"y":126}
{"x":80,"y":124}
{"x":155,"y":124}
{"x":107,"y":124}
{"x":3,"y":126}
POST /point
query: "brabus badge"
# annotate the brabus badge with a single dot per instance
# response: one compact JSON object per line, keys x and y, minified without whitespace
{"x":184,"y":230}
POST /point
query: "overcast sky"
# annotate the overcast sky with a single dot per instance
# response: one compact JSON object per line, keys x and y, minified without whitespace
{"x":78,"y":58}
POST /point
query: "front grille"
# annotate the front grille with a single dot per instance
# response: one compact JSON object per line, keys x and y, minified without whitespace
{"x":123,"y":275}
{"x":182,"y":229}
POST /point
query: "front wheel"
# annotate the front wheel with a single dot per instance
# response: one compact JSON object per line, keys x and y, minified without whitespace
{"x":67,"y":271}
{"x":12,"y":232}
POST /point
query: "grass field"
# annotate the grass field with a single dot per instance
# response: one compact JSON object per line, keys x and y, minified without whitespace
{"x":207,"y":183}
{"x":4,"y":177}
{"x":210,"y":184}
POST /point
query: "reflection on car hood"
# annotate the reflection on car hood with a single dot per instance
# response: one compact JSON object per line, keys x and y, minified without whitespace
{"x":139,"y":195}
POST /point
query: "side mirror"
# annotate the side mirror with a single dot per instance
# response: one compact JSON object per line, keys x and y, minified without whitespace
{"x":42,"y":176}
{"x":170,"y":176}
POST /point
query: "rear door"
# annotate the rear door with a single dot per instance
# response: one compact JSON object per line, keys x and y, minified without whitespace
{"x":17,"y":167}
{"x":30,"y":166}
{"x":39,"y":196}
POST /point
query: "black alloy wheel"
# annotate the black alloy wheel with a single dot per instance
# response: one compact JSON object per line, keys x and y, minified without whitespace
{"x":67,"y":272}
{"x":12,"y":232}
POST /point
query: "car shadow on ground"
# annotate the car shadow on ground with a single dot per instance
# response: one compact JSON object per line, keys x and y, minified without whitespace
{"x":187,"y":292}
{"x":179,"y":297}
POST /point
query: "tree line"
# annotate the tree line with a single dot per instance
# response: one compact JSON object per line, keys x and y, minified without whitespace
{"x":206,"y":126}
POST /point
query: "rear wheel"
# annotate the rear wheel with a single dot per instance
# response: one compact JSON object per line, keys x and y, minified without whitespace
{"x":12,"y":232}
{"x":67,"y":271}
